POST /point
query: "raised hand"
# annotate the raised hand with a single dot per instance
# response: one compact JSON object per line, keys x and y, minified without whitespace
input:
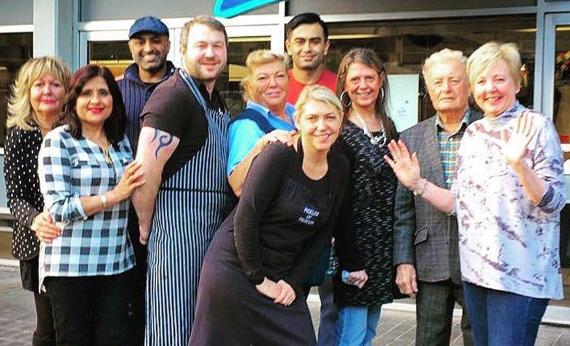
{"x":405,"y":166}
{"x":516,"y":146}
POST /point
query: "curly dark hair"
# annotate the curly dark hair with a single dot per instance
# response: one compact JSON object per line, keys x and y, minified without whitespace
{"x":115,"y":125}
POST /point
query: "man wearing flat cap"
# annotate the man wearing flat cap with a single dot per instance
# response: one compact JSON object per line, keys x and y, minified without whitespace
{"x":149,"y":45}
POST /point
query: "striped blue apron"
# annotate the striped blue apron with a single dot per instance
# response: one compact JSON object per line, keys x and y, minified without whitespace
{"x":190,"y":206}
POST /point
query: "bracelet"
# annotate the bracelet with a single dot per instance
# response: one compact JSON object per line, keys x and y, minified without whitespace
{"x":103,"y":199}
{"x":422,"y":189}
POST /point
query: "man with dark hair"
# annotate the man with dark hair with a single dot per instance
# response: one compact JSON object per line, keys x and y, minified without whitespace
{"x":308,"y":43}
{"x":149,"y":45}
{"x":183,"y":152}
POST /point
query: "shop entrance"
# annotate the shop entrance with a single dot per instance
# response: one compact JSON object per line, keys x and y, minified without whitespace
{"x":556,"y":104}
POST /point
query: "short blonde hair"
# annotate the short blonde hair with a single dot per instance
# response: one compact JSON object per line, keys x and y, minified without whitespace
{"x":255,"y":59}
{"x":20,"y":112}
{"x":440,"y":57}
{"x":317,"y":93}
{"x":489,"y":54}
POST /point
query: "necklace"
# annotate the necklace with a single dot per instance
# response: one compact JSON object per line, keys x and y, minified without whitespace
{"x":107,"y":155}
{"x":379,"y":140}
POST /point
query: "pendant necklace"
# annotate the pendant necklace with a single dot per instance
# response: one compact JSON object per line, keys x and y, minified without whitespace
{"x":379,"y":140}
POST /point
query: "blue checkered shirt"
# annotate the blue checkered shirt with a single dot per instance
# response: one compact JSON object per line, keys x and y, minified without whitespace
{"x":448,"y":146}
{"x":89,"y":245}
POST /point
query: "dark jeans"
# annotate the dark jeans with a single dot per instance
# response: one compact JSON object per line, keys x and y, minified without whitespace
{"x":502,"y":318}
{"x":435,"y":302}
{"x":90,"y":310}
{"x":44,"y":335}
{"x":137,"y":303}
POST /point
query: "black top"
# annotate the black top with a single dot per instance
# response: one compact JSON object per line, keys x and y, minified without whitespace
{"x":372,"y":190}
{"x":173,"y":108}
{"x":284,"y":220}
{"x":23,"y":188}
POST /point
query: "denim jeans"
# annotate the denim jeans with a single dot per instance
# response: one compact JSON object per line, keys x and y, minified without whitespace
{"x":329,"y":314}
{"x":502,"y":318}
{"x":356,"y":325}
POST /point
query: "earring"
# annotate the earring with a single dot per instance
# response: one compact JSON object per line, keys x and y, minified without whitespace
{"x":382,"y":94}
{"x":345,"y":104}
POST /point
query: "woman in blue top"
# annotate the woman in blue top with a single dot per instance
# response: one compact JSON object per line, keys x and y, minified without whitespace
{"x":86,"y":181}
{"x":267,"y":117}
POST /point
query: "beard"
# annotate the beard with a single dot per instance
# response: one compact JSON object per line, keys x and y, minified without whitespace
{"x":195,"y":70}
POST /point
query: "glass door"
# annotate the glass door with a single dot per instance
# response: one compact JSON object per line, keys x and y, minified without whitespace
{"x":556,"y":104}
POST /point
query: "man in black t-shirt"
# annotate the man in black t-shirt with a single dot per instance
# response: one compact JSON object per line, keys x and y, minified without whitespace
{"x":183,"y":151}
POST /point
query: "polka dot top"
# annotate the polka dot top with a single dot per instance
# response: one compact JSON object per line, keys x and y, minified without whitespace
{"x":23,"y":187}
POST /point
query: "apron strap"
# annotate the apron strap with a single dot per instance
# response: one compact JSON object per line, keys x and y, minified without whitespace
{"x":193,"y":88}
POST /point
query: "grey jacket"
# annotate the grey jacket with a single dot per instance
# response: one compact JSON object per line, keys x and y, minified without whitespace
{"x":423,"y":235}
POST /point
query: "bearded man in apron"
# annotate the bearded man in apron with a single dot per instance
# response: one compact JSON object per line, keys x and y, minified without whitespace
{"x":183,"y":151}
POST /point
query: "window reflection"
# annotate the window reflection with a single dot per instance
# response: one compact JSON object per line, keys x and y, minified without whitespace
{"x":229,"y":84}
{"x":561,"y":111}
{"x":113,"y":54}
{"x":15,"y":50}
{"x":403,"y":45}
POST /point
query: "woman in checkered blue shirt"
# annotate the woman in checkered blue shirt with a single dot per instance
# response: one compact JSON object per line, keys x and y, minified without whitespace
{"x":86,"y":180}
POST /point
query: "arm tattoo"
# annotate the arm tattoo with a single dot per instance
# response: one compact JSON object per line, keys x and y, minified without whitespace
{"x":163,"y":141}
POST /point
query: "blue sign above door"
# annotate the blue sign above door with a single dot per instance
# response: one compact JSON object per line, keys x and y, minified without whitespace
{"x":232,"y":8}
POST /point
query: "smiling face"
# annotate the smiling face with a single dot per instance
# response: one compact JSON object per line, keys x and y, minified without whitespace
{"x":205,"y":55}
{"x":363,"y":84}
{"x":149,"y":51}
{"x":268,"y":86}
{"x":319,"y":124}
{"x":307,"y":46}
{"x":47,"y":96}
{"x":95,"y":103}
{"x":495,"y":89}
{"x":448,"y":87}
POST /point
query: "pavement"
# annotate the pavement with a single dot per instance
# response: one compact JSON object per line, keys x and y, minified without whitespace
{"x":397,"y":326}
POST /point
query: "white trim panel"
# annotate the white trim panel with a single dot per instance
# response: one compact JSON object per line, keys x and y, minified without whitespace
{"x":4,"y":29}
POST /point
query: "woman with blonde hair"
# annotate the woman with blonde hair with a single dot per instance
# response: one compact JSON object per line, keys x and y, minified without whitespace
{"x":38,"y":95}
{"x":251,"y":285}
{"x":267,"y":117}
{"x":508,"y":193}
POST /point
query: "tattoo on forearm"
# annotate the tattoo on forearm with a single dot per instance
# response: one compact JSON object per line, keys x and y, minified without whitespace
{"x":163,"y":140}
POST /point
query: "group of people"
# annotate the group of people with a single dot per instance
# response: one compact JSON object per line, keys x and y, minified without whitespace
{"x":144,"y":213}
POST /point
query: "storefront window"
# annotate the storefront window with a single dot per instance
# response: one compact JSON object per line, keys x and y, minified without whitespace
{"x":229,"y":84}
{"x":561,"y":111}
{"x":15,"y":50}
{"x":113,"y":54}
{"x":403,"y":45}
